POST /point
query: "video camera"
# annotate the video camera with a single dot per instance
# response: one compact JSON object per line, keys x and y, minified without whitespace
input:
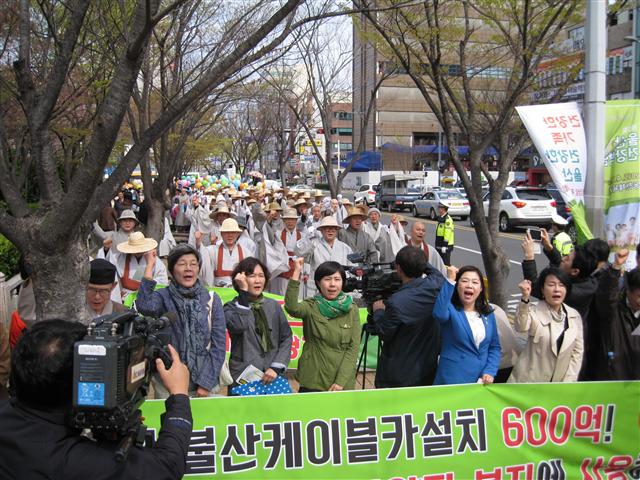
{"x":376,"y":281}
{"x":112,"y":368}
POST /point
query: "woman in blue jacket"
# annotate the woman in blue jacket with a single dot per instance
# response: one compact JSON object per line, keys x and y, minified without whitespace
{"x":470,"y":347}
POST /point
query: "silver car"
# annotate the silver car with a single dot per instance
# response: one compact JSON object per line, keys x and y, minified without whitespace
{"x":428,"y":204}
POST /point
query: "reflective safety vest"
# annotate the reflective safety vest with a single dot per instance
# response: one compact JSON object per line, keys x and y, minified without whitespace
{"x":562,"y":242}
{"x":444,"y":232}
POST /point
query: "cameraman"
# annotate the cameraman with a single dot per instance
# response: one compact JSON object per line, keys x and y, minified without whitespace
{"x":35,"y":439}
{"x":410,"y":334}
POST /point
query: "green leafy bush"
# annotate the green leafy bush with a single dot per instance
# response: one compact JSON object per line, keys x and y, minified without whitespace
{"x":9,"y":256}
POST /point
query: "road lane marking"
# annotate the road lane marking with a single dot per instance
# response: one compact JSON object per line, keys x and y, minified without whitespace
{"x":480,"y":253}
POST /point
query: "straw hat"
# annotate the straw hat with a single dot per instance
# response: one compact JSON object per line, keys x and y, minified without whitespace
{"x":300,"y":201}
{"x":219,"y":209}
{"x":128,"y":215}
{"x":290,"y":213}
{"x":403,"y":220}
{"x":346,"y":201}
{"x":318,"y":193}
{"x":354,"y":212}
{"x":230,"y":225}
{"x":274,"y":206}
{"x":137,"y":243}
{"x":251,"y":201}
{"x":328,"y":221}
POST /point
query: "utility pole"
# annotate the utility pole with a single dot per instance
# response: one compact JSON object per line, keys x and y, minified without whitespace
{"x":595,"y":111}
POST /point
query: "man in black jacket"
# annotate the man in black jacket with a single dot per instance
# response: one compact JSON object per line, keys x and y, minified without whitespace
{"x":35,"y":440}
{"x":618,"y":313}
{"x":409,"y":333}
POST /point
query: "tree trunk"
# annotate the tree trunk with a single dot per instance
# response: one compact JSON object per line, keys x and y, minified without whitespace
{"x":496,"y":263}
{"x":60,"y":277}
{"x":155,"y":221}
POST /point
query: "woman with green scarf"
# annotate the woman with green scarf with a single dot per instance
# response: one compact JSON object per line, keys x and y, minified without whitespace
{"x":331,"y":326}
{"x":259,"y":331}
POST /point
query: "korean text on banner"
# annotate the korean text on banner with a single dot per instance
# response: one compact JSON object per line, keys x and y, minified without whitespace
{"x":463,"y":432}
{"x":557,"y":132}
{"x":622,"y":176}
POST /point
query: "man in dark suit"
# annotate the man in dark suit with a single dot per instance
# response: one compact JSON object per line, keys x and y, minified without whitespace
{"x":409,"y":333}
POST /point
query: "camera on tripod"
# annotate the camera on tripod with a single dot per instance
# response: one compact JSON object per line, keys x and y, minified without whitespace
{"x":376,"y":281}
{"x":112,"y":367}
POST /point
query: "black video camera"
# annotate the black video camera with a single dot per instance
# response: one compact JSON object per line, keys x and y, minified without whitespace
{"x":112,"y":368}
{"x":376,"y":281}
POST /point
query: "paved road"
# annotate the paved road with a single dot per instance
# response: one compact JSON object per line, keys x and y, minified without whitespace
{"x":467,"y":251}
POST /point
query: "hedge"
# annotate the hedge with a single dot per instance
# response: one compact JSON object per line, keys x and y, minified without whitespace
{"x":9,"y":256}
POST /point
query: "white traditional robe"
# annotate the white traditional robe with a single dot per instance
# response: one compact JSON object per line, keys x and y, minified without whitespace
{"x":200,"y":222}
{"x":248,"y":245}
{"x":136,"y":272}
{"x":168,"y":242}
{"x":317,"y":251}
{"x":289,"y":239}
{"x":218,"y":261}
{"x":381,"y":240}
{"x":434,"y":257}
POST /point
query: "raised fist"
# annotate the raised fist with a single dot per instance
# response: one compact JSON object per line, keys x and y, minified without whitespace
{"x":525,"y":289}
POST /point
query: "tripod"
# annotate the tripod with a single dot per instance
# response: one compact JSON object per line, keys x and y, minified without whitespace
{"x":362,"y":361}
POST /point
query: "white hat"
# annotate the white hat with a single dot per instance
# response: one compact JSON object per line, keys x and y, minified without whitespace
{"x":137,"y":243}
{"x":128,"y":215}
{"x":290,"y":213}
{"x":558,"y":220}
{"x":328,"y":221}
{"x":230,"y":225}
{"x":373,"y":210}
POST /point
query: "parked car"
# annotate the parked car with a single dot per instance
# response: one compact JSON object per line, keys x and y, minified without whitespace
{"x":366,"y":194}
{"x":524,"y":206}
{"x":395,"y":192}
{"x":301,"y":187}
{"x":428,"y":204}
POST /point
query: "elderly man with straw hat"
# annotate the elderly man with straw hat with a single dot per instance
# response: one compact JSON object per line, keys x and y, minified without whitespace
{"x":319,"y":250}
{"x":219,"y":260}
{"x":354,"y":236}
{"x":289,"y":236}
{"x":127,"y":223}
{"x":131,"y":261}
{"x":220,"y":213}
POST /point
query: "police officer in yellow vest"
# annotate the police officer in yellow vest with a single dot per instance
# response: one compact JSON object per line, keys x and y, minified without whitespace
{"x":561,"y":240}
{"x":444,"y":234}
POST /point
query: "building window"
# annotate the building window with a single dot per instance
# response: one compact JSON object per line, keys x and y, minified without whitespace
{"x":343,"y":115}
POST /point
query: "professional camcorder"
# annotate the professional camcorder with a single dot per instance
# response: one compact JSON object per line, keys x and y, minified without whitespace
{"x":112,"y":368}
{"x":376,"y":281}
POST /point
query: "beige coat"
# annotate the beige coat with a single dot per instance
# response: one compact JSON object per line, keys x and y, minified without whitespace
{"x":540,"y":361}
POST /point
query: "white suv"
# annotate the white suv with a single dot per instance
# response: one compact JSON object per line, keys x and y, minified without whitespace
{"x":524,"y":206}
{"x":366,"y":194}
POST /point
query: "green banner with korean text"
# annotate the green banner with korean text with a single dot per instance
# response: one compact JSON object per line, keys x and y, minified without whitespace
{"x":496,"y":432}
{"x":622,"y":176}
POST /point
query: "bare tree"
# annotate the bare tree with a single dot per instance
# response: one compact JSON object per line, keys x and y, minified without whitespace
{"x":473,"y":62}
{"x":52,"y":234}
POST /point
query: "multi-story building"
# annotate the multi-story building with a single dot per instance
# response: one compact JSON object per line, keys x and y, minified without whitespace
{"x":340,"y":134}
{"x":407,"y":133}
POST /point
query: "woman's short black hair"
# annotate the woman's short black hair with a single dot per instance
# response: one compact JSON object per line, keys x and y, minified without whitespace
{"x":482,"y":303}
{"x":180,"y":251}
{"x":328,"y":268}
{"x":559,"y":274}
{"x":248,"y":266}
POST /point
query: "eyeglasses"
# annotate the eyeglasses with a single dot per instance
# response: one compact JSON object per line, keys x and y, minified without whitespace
{"x":185,"y":265}
{"x":103,"y":292}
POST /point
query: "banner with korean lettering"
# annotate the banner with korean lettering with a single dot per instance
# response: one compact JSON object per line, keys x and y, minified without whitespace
{"x":622,"y":176}
{"x":557,"y":132}
{"x":496,"y":432}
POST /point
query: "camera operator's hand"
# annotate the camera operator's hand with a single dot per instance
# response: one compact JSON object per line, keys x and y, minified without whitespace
{"x":378,"y":305}
{"x":527,"y":246}
{"x":452,"y":271}
{"x":241,"y":280}
{"x":176,"y":379}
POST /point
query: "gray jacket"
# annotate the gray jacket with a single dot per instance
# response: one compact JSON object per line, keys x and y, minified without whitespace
{"x":245,"y":345}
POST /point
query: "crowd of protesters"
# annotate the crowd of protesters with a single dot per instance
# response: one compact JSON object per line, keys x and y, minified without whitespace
{"x":578,"y":319}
